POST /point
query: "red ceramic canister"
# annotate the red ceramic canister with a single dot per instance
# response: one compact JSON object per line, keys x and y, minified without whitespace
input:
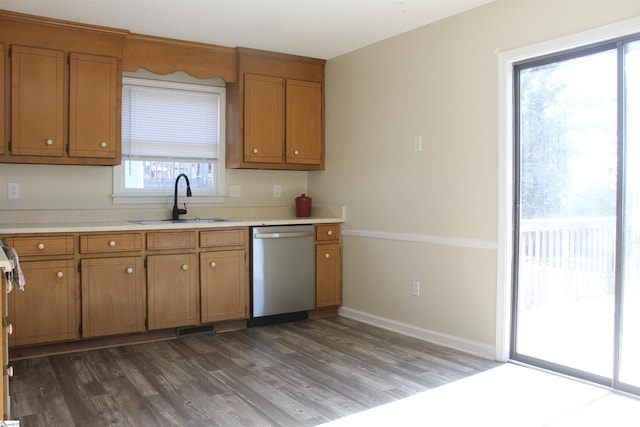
{"x":303,"y":206}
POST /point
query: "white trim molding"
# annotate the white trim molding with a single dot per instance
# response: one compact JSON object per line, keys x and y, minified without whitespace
{"x":424,"y":238}
{"x":506,"y":61}
{"x":472,"y":347}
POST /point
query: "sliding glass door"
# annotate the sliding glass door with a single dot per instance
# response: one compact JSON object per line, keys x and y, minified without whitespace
{"x":577,"y":269}
{"x":629,"y":343}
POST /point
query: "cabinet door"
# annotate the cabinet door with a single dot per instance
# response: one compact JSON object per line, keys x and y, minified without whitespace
{"x":222,"y":285}
{"x":172,"y":290}
{"x":46,"y":310}
{"x":113,"y":296}
{"x":263,"y":119}
{"x":3,"y":140}
{"x":93,"y":96}
{"x":37,"y":120}
{"x":328,"y":275}
{"x":304,"y":140}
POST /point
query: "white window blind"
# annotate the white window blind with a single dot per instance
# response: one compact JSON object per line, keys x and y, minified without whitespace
{"x":169,"y":128}
{"x":175,"y":121}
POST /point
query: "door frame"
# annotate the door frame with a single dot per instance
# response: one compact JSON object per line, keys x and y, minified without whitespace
{"x":504,"y":264}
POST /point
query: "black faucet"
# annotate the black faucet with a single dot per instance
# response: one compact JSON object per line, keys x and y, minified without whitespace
{"x":177,"y":211}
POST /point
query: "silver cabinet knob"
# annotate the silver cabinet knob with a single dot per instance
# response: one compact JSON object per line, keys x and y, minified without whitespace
{"x":49,"y":142}
{"x":130,"y":270}
{"x":103,"y":144}
{"x":185,"y":266}
{"x":112,"y":243}
{"x":41,"y":246}
{"x":59,"y":274}
{"x":213,"y":264}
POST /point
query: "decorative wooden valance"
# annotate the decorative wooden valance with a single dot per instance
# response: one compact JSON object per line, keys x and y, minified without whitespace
{"x":165,"y":56}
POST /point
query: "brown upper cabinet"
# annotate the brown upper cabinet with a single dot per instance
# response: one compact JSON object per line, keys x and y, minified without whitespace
{"x":37,"y":86}
{"x":93,"y":111}
{"x":275,"y":115}
{"x":61,"y":91}
{"x":3,"y":142}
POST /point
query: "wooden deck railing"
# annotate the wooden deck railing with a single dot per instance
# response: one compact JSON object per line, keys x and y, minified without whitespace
{"x":566,"y":258}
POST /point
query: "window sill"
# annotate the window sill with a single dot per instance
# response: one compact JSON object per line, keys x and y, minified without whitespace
{"x":147,"y":199}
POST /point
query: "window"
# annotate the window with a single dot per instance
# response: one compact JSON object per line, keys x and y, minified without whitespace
{"x":170,"y":128}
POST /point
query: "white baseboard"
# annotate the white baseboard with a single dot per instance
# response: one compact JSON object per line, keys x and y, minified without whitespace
{"x":471,"y":347}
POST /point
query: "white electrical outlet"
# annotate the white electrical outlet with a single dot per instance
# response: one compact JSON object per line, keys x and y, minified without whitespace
{"x":415,"y":290}
{"x":277,"y":190}
{"x":235,"y":191}
{"x":13,"y":190}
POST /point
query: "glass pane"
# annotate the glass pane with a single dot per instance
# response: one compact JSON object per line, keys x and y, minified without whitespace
{"x":161,"y":174}
{"x":568,"y":165}
{"x":630,"y":331}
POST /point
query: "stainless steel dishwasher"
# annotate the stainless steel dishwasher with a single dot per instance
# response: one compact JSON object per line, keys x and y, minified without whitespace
{"x":282,"y":287}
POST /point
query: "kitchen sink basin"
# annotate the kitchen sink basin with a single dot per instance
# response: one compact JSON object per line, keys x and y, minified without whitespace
{"x":178,"y":221}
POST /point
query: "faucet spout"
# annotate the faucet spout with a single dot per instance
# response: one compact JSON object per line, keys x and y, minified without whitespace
{"x":176,"y":210}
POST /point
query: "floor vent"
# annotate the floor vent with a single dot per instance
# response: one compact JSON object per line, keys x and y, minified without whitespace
{"x":195,"y":330}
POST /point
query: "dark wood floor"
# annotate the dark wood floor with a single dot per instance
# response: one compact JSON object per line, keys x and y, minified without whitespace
{"x":294,"y":374}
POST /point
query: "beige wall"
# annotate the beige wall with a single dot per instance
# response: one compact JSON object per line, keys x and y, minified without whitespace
{"x":440,"y":82}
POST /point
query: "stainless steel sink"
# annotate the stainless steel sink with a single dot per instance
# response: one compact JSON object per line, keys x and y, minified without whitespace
{"x":178,"y":221}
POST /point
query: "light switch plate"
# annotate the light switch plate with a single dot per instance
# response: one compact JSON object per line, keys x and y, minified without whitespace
{"x":417,"y":143}
{"x":13,"y":190}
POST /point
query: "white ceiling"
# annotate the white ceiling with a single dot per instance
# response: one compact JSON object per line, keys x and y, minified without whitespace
{"x":316,"y":28}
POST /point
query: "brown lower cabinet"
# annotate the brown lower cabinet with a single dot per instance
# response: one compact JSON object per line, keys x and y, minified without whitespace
{"x":46,"y":310}
{"x":222,"y":285}
{"x":172,"y":284}
{"x":328,"y":265}
{"x":89,"y":285}
{"x":113,"y":296}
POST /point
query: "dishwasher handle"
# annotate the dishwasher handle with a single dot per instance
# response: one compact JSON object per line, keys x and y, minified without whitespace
{"x":283,"y":235}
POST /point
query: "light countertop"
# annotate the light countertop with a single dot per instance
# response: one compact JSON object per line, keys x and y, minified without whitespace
{"x":76,"y":226}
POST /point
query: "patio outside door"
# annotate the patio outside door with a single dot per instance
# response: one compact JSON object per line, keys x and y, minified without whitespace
{"x":576,"y":305}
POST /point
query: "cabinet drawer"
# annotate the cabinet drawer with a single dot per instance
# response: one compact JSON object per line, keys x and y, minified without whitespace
{"x":171,"y":240}
{"x":43,"y":245}
{"x":327,"y":232}
{"x":110,"y":243}
{"x":228,"y":237}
